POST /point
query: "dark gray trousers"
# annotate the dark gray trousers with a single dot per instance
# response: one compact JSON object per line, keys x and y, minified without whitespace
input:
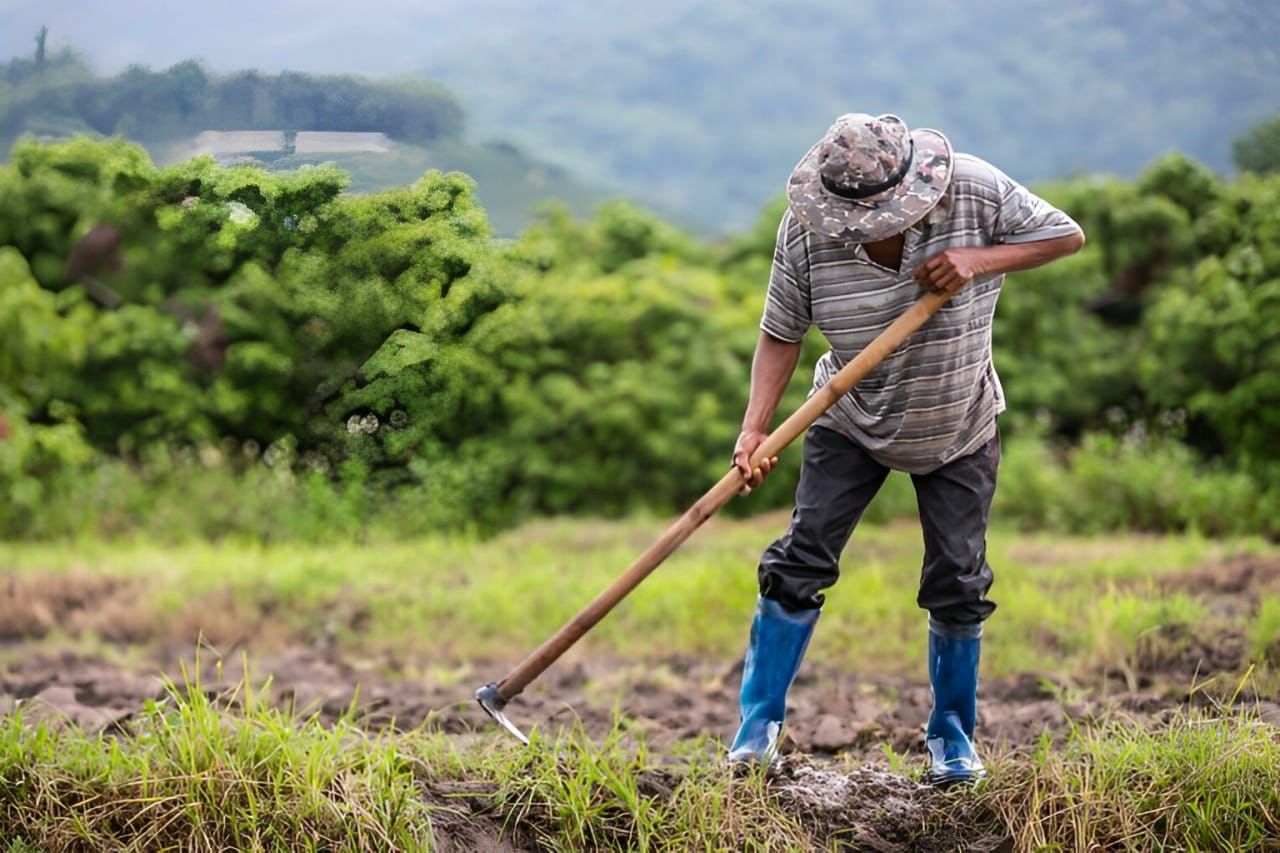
{"x":837,"y":481}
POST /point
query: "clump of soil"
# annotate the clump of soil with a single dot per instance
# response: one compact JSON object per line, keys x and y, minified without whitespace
{"x":68,"y":689}
{"x":1238,"y":579}
{"x":1231,"y":591}
{"x":120,"y":611}
{"x":463,"y":820}
{"x":33,"y":605}
{"x":873,"y":809}
{"x":867,"y":809}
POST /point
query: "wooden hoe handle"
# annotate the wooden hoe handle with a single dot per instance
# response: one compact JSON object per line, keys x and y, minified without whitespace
{"x":719,"y":495}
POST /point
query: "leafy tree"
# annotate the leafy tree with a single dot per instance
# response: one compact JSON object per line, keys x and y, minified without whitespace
{"x":42,"y":342}
{"x":601,"y":379}
{"x":1259,"y":149}
{"x":1214,"y":333}
{"x":296,"y":285}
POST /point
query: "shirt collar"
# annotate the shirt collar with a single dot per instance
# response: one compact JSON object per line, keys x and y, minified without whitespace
{"x":910,"y":239}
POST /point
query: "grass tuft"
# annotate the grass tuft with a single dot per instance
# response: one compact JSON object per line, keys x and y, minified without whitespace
{"x":194,"y":775}
{"x":1203,"y":782}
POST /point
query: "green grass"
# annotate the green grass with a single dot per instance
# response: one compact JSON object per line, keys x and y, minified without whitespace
{"x":1066,"y":604}
{"x":198,"y":774}
{"x":1201,"y":783}
{"x":1264,"y":633}
{"x":194,"y":775}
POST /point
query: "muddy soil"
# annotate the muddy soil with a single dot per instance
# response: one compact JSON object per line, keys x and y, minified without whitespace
{"x":836,"y":721}
{"x":835,"y":777}
{"x":830,"y":713}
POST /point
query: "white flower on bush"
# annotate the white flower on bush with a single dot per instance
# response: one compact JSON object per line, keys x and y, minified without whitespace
{"x":316,"y":461}
{"x":274,"y":454}
{"x":367,"y":425}
{"x":240,"y":213}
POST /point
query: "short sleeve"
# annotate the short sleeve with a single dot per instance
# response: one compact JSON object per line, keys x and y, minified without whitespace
{"x":1021,"y":216}
{"x":786,"y":308}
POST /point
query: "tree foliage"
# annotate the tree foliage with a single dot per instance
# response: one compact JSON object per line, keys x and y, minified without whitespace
{"x":298,"y":285}
{"x":1259,"y":149}
{"x":1167,"y":315}
{"x":62,"y":95}
{"x":388,"y":342}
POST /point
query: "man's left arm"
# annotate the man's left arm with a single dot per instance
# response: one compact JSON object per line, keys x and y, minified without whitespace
{"x":952,"y":269}
{"x":1022,"y":231}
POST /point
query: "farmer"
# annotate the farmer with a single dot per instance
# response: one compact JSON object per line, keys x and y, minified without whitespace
{"x":875,"y":213}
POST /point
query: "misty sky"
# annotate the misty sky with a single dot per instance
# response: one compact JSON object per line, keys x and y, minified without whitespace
{"x":372,"y":36}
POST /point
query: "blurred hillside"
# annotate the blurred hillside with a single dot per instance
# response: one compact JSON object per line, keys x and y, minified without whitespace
{"x":704,"y":108}
{"x":383,"y":133}
{"x":707,"y":106}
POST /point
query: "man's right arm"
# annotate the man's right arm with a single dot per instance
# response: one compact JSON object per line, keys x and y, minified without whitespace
{"x":771,"y":368}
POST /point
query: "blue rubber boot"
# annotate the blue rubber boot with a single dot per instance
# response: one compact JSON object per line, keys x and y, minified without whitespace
{"x":953,"y":674}
{"x":778,"y":641}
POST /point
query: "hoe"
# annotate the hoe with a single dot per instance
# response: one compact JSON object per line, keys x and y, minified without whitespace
{"x":493,"y":697}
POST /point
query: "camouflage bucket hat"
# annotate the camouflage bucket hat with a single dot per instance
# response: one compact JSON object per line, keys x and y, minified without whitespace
{"x":869,"y":178}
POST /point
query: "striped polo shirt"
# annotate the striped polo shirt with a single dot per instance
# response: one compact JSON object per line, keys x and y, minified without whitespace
{"x":936,"y":398}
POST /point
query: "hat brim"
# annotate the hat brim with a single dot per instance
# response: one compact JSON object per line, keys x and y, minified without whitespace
{"x":880,"y":216}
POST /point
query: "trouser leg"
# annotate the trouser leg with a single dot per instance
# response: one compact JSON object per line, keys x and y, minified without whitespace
{"x":955,"y":507}
{"x":837,"y":481}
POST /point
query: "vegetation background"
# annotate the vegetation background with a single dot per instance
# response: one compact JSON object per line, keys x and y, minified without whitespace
{"x":378,"y":361}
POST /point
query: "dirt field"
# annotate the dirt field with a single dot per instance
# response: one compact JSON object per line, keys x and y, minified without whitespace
{"x":847,"y":732}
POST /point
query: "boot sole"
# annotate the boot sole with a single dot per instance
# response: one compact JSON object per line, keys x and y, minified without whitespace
{"x":956,"y":777}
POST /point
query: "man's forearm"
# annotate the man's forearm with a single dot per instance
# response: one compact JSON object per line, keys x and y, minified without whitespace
{"x":953,"y":268}
{"x":771,"y":368}
{"x":1011,"y":257}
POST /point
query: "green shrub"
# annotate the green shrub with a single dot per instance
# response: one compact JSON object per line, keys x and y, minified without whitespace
{"x":1259,"y":149}
{"x":39,"y":464}
{"x":1130,"y":482}
{"x":1264,"y":634}
{"x":394,"y":360}
{"x":1214,"y":332}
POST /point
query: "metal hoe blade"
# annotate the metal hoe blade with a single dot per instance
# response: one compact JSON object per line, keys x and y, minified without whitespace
{"x":493,"y":702}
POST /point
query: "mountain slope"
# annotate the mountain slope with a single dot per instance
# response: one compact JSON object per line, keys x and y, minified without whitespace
{"x":708,"y":106}
{"x":704,"y":108}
